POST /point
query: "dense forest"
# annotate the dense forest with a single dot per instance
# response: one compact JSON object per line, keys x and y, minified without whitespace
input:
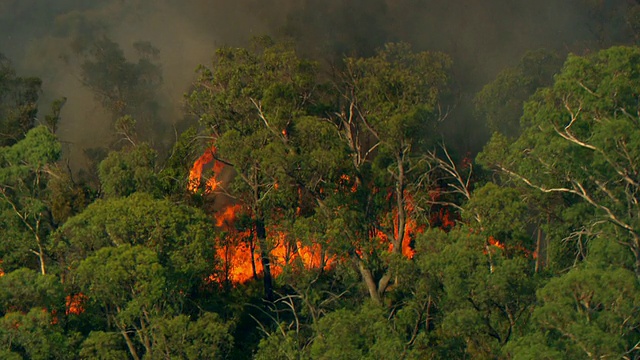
{"x":351,"y":193}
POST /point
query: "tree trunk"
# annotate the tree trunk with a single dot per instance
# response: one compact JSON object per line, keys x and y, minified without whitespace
{"x":400,"y":204}
{"x":130,"y":345}
{"x":40,"y":254}
{"x":367,"y":276}
{"x":261,"y":234}
{"x":636,"y":252}
{"x":539,"y":264}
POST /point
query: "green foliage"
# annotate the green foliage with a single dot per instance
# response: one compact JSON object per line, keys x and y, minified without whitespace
{"x":580,"y":141}
{"x":208,"y":337}
{"x":102,"y":345}
{"x":481,"y":298}
{"x":38,"y":148}
{"x":251,"y":102}
{"x":362,"y":334}
{"x":180,"y":235}
{"x":129,"y":170}
{"x":23,"y":289}
{"x":24,"y":171}
{"x":127,"y":280}
{"x":499,"y":212}
{"x":18,"y":103}
{"x":400,"y":91}
{"x":34,"y":335}
{"x":500,"y":103}
{"x":173,"y":176}
{"x":590,"y":311}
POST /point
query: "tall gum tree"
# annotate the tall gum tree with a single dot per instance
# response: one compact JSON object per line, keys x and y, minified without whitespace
{"x":249,"y":101}
{"x":390,"y":105}
{"x":581,"y":139}
{"x":24,"y":171}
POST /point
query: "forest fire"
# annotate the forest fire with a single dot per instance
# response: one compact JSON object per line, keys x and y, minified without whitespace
{"x":240,"y":250}
{"x":493,"y":243}
{"x":411,"y":228}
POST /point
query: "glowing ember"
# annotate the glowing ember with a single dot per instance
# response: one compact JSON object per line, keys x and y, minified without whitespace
{"x":495,"y":242}
{"x":75,"y":304}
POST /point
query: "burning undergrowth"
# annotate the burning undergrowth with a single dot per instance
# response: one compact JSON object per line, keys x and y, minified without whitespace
{"x":238,"y":246}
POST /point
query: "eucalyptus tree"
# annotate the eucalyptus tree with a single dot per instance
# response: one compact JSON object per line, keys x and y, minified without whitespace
{"x":249,"y":101}
{"x":580,"y":140}
{"x":180,"y":235}
{"x":501,"y":102}
{"x":390,"y":105}
{"x":26,"y":219}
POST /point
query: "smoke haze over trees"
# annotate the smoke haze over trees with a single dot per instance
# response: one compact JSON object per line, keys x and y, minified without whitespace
{"x":43,"y":39}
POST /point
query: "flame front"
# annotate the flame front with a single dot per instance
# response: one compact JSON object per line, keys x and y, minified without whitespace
{"x":240,"y":252}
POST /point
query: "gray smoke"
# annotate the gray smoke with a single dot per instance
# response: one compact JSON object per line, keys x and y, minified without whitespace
{"x":483,"y":37}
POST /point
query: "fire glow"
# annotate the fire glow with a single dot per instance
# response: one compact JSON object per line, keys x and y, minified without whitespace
{"x":195,"y":174}
{"x":240,"y":250}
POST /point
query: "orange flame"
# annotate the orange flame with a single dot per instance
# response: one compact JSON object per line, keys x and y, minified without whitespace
{"x":195,"y":174}
{"x":75,"y":304}
{"x":492,"y":241}
{"x":495,"y":242}
{"x":411,"y":228}
{"x":241,"y":253}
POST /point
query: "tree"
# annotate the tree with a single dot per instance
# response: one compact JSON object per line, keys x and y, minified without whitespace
{"x":208,"y":337}
{"x":24,"y":170}
{"x":249,"y":102}
{"x":32,"y":317}
{"x":132,"y":288}
{"x":103,"y":346}
{"x":34,"y":335}
{"x":180,"y":235}
{"x":129,"y":170}
{"x":580,"y":139}
{"x":591,"y":311}
{"x":18,"y":103}
{"x":127,"y":283}
{"x":390,"y":105}
{"x":500,"y":103}
{"x":123,"y":87}
{"x":24,"y":289}
{"x":475,"y":298}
